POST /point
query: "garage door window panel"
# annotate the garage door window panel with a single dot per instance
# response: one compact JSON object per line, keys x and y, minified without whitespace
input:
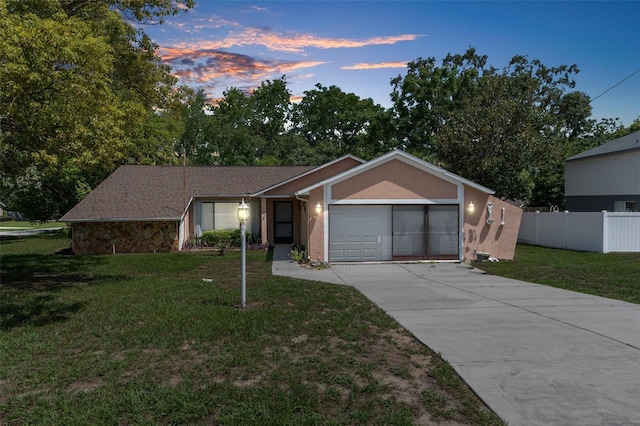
{"x":408,"y":231}
{"x":442,"y":232}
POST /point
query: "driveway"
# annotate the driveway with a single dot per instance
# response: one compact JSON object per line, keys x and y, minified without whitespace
{"x":536,"y":355}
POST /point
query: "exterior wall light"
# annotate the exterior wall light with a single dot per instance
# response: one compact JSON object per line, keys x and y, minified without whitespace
{"x":318,"y":208}
{"x":243,"y":216}
{"x":471,"y":208}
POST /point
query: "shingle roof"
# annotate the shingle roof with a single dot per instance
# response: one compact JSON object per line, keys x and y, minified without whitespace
{"x":625,"y":143}
{"x":162,"y":192}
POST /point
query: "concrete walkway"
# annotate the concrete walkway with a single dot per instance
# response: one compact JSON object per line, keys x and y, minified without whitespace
{"x":535,"y":354}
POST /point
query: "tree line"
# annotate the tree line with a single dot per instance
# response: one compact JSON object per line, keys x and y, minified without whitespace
{"x":83,"y":91}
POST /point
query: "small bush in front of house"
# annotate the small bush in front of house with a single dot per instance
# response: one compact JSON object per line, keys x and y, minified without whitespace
{"x":299,"y":254}
{"x":222,"y":238}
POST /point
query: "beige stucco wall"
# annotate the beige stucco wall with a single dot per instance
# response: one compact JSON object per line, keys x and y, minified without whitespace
{"x":124,"y":237}
{"x":264,"y":224}
{"x":498,"y":240}
{"x":316,"y":225}
{"x":394,"y":180}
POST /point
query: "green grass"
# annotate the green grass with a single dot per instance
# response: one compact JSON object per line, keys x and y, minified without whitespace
{"x":13,"y":224}
{"x":613,"y":275}
{"x":142,"y":339}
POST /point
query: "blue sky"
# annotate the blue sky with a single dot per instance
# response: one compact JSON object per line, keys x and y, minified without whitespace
{"x":360,"y":46}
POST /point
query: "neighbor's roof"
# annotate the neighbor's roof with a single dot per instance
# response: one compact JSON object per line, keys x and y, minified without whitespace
{"x":163,"y":192}
{"x":625,"y":143}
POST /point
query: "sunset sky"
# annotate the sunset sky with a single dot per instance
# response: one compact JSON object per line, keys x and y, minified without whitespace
{"x":360,"y":46}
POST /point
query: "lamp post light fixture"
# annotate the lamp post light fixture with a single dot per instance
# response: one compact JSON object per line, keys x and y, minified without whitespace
{"x":243,"y":216}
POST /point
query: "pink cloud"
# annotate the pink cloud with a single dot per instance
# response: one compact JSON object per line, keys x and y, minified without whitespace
{"x":294,"y":43}
{"x":207,"y":64}
{"x":214,"y":70}
{"x":380,"y":65}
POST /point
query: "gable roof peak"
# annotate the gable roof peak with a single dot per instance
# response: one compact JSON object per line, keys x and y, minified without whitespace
{"x":402,"y":156}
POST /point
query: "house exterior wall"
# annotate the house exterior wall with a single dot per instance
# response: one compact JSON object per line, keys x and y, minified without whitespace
{"x":264,"y":223}
{"x":124,"y":237}
{"x":317,"y":225}
{"x":394,"y":180}
{"x":596,"y":203}
{"x":188,"y":226}
{"x":497,"y":239}
{"x":594,"y":183}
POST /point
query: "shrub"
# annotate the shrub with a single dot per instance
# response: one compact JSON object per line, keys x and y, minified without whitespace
{"x":222,"y":238}
{"x":299,"y":254}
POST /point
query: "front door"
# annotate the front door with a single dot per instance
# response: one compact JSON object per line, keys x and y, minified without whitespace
{"x":283,"y":222}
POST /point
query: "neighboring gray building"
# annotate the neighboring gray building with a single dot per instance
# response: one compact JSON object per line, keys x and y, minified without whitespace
{"x":606,"y":177}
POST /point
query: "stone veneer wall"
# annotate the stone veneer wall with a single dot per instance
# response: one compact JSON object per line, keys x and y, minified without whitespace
{"x":126,"y":237}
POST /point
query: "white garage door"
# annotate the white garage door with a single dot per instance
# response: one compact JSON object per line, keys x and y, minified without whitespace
{"x":359,"y":233}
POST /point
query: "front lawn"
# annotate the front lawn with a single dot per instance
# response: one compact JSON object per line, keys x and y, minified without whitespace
{"x":16,"y":225}
{"x":613,"y":275}
{"x":142,"y":339}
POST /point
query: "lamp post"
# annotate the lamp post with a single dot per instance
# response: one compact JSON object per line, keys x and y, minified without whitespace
{"x":243,"y":215}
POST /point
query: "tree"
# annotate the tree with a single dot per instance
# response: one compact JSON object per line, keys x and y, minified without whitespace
{"x":271,"y":107}
{"x":334,"y":123}
{"x":155,"y":141}
{"x":77,"y":83}
{"x":490,"y":139}
{"x":231,"y":140}
{"x":424,"y":97}
{"x":195,"y":121}
{"x":500,"y":128}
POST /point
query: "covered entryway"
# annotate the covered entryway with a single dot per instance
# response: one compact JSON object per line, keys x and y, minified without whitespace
{"x":283,"y":222}
{"x":400,"y":232}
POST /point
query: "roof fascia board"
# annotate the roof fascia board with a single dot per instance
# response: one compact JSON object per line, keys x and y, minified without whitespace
{"x":397,"y":201}
{"x":602,"y":154}
{"x":277,"y":196}
{"x":186,"y":209}
{"x":138,"y":219}
{"x":404,"y":157}
{"x":315,"y":169}
{"x":246,"y":195}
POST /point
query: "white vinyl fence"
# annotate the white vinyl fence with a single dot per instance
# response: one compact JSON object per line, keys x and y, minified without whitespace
{"x":602,"y":232}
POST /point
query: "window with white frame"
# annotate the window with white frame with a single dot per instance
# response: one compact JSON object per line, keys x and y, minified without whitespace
{"x":218,"y":216}
{"x":226,"y":216}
